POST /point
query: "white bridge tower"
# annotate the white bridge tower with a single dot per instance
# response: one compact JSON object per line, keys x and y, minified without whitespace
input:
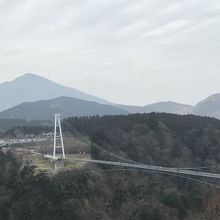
{"x":58,"y":138}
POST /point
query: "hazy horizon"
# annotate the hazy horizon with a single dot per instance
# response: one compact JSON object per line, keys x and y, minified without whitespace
{"x":162,"y":101}
{"x":128,"y":52}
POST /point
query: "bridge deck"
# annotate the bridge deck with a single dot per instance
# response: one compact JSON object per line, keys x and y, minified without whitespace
{"x":152,"y":168}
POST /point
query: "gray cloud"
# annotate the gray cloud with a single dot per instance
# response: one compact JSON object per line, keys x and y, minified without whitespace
{"x":133,"y":52}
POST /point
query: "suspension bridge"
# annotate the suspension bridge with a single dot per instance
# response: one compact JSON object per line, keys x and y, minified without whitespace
{"x":122,"y":161}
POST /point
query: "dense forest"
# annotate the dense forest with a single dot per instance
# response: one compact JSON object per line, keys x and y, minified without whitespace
{"x":157,"y":139}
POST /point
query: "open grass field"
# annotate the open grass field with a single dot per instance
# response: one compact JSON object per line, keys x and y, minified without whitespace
{"x":43,"y":164}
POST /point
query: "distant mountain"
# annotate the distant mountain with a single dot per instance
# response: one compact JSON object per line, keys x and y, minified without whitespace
{"x":30,"y":87}
{"x":209,"y":107}
{"x":67,"y":106}
{"x":167,"y":107}
{"x":131,"y":108}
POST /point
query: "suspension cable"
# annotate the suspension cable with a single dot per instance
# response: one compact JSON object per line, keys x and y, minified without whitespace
{"x":107,"y":151}
{"x":112,"y":154}
{"x":94,"y":172}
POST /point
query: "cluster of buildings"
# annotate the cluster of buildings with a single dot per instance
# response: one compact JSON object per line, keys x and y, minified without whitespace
{"x":27,"y":139}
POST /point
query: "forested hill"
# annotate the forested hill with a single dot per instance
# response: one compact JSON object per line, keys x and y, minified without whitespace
{"x":161,"y":139}
{"x":157,"y":138}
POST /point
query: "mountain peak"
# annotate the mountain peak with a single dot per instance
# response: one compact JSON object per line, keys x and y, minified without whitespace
{"x":29,"y":77}
{"x":33,"y":87}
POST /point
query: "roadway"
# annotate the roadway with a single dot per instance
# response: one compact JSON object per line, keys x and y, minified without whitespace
{"x":152,"y":168}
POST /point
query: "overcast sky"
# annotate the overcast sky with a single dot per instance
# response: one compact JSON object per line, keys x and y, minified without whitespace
{"x":126,"y":51}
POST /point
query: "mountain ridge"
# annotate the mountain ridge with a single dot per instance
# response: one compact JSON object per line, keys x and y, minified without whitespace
{"x":166,"y":106}
{"x":32,"y":88}
{"x":66,"y":106}
{"x":209,"y":106}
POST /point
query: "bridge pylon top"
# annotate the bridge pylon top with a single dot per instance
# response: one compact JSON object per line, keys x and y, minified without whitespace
{"x":58,"y":137}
